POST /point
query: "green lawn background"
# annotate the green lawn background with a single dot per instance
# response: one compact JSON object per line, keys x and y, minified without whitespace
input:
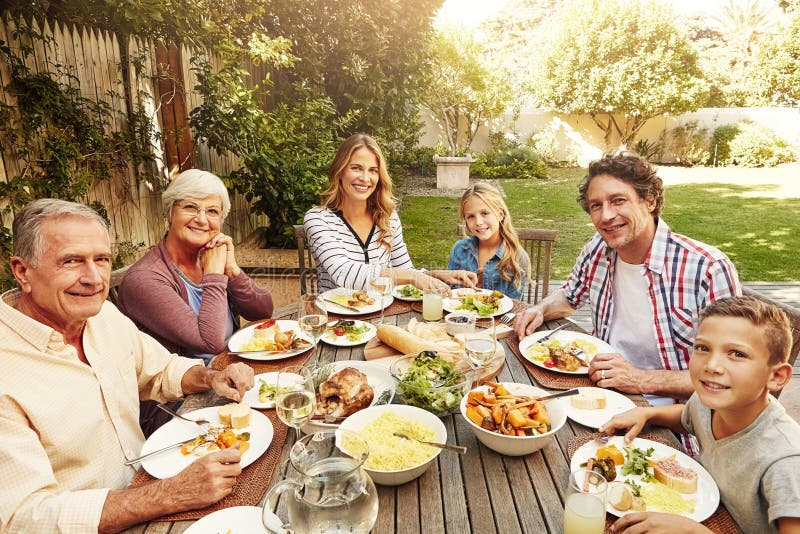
{"x":759,"y":233}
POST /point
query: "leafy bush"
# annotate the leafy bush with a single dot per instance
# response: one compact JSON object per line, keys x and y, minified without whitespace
{"x":648,"y":149}
{"x":687,"y":142}
{"x":545,"y":143}
{"x":507,"y":159}
{"x":719,"y":146}
{"x":757,"y":146}
{"x":416,"y":160}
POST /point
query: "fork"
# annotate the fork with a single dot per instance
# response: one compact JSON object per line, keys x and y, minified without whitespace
{"x":202,"y":423}
{"x":446,"y":446}
{"x":507,"y":318}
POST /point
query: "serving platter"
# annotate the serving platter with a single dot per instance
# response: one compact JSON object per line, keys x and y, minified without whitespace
{"x":565,"y":336}
{"x":243,"y":336}
{"x":452,"y":304}
{"x":169,"y":463}
{"x":706,"y":497}
{"x":338,"y":309}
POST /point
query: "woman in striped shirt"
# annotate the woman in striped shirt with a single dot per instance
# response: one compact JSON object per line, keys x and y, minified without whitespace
{"x":355,"y":234}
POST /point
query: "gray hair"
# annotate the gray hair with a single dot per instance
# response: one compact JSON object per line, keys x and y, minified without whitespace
{"x":195,"y":184}
{"x":29,"y":242}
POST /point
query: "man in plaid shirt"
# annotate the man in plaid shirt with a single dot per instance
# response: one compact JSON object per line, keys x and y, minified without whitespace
{"x":645,"y":284}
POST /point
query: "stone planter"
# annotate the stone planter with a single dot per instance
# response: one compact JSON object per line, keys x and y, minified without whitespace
{"x":452,"y":172}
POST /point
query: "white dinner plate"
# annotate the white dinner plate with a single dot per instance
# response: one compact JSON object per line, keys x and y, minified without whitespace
{"x":616,"y":403}
{"x":251,"y":397}
{"x":170,"y":463}
{"x":341,"y":310}
{"x":342,"y":341}
{"x":565,"y":336}
{"x":397,"y":295}
{"x":236,"y":520}
{"x":452,"y":304}
{"x":706,"y":498}
{"x":239,"y":339}
{"x":377,"y":376}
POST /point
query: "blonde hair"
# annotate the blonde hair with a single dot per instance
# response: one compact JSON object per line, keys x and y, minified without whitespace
{"x":509,"y":265}
{"x":380,"y":203}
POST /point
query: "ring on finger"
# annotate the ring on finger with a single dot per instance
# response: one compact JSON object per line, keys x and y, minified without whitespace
{"x":603,"y":374}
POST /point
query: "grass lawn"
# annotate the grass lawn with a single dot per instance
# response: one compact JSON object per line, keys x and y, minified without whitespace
{"x":759,"y":233}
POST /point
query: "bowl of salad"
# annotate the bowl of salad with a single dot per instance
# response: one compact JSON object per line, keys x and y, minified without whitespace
{"x":433,"y":381}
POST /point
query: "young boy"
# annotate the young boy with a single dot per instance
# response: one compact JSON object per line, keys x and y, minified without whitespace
{"x":749,"y":445}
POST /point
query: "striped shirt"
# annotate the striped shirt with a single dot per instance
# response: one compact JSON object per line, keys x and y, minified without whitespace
{"x":683,"y":276}
{"x":342,"y":259}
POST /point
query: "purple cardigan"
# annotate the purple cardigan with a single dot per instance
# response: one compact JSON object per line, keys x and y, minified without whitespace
{"x":154,"y":296}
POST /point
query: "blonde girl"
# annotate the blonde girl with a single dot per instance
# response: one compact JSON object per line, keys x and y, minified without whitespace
{"x":492,"y":249}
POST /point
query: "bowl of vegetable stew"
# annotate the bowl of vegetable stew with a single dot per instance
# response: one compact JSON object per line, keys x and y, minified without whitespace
{"x":433,"y":381}
{"x":507,"y":419}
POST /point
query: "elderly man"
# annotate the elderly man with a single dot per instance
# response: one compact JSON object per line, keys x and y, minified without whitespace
{"x":74,"y":370}
{"x":645,"y":284}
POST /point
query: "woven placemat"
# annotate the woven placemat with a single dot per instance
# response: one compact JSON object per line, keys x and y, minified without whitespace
{"x":395,"y":308}
{"x":720,"y":521}
{"x":545,"y":378}
{"x":251,"y":484}
{"x":225,"y":359}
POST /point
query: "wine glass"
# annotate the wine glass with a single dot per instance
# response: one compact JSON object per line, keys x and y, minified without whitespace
{"x":383,"y":284}
{"x":480,"y":345}
{"x":313,"y":317}
{"x":585,"y":504}
{"x":295,"y":397}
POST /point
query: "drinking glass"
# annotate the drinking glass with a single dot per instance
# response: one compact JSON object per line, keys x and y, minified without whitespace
{"x":480,"y":345}
{"x":383,"y":284}
{"x":585,"y":504}
{"x":431,"y":304}
{"x":313,"y":317}
{"x":295,"y":397}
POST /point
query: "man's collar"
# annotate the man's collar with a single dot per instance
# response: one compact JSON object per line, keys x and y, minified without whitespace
{"x":34,"y":332}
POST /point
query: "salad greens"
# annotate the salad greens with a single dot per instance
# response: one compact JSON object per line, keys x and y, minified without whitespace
{"x":267,"y":392}
{"x":409,"y":291}
{"x":638,"y":462}
{"x":483,"y":309}
{"x":348,"y":328}
{"x":428,"y":383}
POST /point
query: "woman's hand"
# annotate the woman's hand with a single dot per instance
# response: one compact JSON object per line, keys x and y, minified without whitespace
{"x":457,"y":277}
{"x":225,"y":243}
{"x":425,"y":282}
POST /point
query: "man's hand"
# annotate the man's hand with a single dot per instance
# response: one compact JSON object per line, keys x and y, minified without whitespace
{"x":526,"y":322}
{"x":233,"y":381}
{"x":654,"y":523}
{"x":610,"y":370}
{"x":207,"y":480}
{"x":633,"y":421}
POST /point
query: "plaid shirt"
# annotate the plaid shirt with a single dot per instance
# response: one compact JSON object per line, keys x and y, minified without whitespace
{"x":683,"y":276}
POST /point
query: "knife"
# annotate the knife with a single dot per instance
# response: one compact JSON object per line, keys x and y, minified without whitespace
{"x":345,"y":306}
{"x":153,"y":453}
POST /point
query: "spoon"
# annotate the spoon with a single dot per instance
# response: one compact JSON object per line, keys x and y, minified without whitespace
{"x":446,"y":446}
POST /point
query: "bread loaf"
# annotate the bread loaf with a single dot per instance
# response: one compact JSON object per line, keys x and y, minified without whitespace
{"x":234,"y":415}
{"x":675,"y":476}
{"x":589,"y":399}
{"x":405,"y":342}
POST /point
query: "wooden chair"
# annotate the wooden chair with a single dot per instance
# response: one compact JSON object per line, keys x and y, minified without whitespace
{"x":538,"y":243}
{"x":305,"y":260}
{"x":794,"y":318}
{"x":116,"y":280}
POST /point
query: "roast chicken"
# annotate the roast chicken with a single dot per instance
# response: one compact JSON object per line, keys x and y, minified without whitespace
{"x":343,"y":394}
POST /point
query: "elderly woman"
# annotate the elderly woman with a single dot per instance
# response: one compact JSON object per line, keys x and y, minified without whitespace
{"x":356,"y":234}
{"x":187,"y":291}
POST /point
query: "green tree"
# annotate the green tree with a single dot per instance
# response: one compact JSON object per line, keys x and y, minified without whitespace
{"x":467,"y":91}
{"x":622,"y":63}
{"x":778,"y":67}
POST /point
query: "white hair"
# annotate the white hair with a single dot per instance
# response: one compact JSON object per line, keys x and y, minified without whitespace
{"x":195,"y":184}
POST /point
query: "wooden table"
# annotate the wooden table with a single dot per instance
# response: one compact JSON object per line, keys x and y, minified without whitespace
{"x":481,"y":492}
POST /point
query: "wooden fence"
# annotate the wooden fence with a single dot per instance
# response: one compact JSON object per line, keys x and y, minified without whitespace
{"x":159,"y":80}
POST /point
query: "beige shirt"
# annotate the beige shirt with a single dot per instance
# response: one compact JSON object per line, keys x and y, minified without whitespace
{"x":67,"y":428}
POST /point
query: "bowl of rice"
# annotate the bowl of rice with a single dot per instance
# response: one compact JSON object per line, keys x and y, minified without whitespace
{"x":393,"y":460}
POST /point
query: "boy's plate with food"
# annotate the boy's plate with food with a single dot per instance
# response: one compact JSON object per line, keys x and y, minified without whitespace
{"x":559,"y":352}
{"x":345,"y":387}
{"x":649,"y":476}
{"x":251,"y":429}
{"x":263,"y":394}
{"x":233,"y":520}
{"x":343,"y":301}
{"x":269,"y":340}
{"x":408,"y":292}
{"x":481,"y":302}
{"x":348,"y":333}
{"x":594,"y":406}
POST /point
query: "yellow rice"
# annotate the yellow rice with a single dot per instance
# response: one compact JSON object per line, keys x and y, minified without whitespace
{"x":387,"y":452}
